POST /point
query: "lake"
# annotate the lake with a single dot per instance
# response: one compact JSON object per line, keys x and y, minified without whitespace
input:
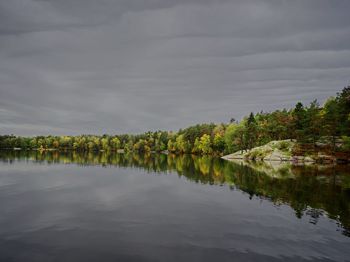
{"x":72,"y":206}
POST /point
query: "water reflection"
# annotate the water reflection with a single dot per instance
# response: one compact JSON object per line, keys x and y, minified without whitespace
{"x":312,"y":191}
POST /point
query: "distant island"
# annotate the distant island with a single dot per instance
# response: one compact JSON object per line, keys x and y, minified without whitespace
{"x":304,"y":133}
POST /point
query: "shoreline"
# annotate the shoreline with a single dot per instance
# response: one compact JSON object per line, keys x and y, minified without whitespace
{"x":285,"y":151}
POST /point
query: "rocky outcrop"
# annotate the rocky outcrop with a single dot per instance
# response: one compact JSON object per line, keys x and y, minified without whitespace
{"x":284,"y":151}
{"x":272,"y":151}
{"x":289,"y":151}
{"x":280,"y":151}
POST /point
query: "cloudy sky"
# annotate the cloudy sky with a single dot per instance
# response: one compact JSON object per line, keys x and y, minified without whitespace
{"x":116,"y":66}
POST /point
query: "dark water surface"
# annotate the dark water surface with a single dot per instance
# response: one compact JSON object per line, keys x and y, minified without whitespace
{"x":115,"y":207}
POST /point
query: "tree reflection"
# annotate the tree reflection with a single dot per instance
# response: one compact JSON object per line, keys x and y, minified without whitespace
{"x":311,"y":191}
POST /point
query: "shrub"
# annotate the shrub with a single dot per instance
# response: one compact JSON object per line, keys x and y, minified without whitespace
{"x":283,"y":146}
{"x":346,"y":143}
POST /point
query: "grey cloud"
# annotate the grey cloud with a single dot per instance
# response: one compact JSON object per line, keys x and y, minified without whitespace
{"x":71,"y":67}
{"x":24,"y":16}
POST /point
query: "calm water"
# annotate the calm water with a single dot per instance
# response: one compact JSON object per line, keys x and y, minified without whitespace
{"x":115,"y":207}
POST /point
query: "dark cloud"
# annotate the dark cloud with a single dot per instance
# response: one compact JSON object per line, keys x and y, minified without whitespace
{"x":88,"y":66}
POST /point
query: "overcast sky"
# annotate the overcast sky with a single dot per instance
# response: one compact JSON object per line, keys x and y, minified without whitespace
{"x":129,"y":66}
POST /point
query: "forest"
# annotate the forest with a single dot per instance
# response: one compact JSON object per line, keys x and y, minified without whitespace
{"x":307,"y":124}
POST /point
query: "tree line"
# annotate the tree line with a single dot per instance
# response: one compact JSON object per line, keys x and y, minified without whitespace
{"x":308,"y":124}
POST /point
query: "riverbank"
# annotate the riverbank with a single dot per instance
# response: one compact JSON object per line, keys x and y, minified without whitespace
{"x":288,"y":151}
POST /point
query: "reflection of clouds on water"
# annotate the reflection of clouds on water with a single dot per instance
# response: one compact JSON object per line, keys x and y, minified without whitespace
{"x":309,"y":190}
{"x":150,"y":205}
